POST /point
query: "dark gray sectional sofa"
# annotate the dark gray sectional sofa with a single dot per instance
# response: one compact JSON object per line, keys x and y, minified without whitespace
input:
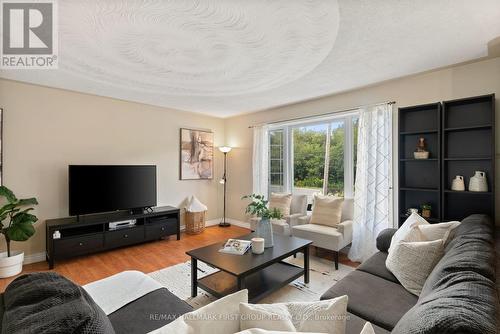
{"x":458,"y":297}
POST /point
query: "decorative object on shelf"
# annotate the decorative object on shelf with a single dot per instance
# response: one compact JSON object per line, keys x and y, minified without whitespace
{"x":411,"y":210}
{"x":258,"y":245}
{"x":16,"y":224}
{"x":478,"y":182}
{"x":426,"y":210}
{"x":258,"y":207}
{"x":458,"y":183}
{"x":195,"y":216}
{"x":196,"y":154}
{"x":223,"y":181}
{"x":421,"y":153}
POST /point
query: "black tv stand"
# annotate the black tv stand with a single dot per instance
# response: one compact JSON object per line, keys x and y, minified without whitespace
{"x":88,"y":234}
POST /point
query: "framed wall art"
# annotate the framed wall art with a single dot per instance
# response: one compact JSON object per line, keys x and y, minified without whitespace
{"x":196,"y":154}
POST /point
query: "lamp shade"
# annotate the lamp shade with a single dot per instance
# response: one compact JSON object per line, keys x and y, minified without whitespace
{"x":225,"y":149}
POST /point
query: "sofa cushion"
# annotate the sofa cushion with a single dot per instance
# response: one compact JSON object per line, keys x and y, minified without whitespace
{"x":466,"y":303}
{"x":50,"y":303}
{"x":470,"y":250}
{"x":375,"y":265}
{"x":372,"y":298}
{"x":322,"y":236}
{"x":299,"y":205}
{"x":354,"y":325}
{"x":151,"y":311}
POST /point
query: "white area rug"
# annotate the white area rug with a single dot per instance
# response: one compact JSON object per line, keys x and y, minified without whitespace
{"x":323,"y":275}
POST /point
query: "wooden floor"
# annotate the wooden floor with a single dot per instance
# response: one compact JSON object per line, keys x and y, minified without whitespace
{"x":146,"y":257}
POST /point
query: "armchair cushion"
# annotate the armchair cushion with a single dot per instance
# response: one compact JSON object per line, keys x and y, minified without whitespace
{"x":298,"y":205}
{"x":321,"y":235}
{"x":280,"y":201}
{"x":327,"y":210}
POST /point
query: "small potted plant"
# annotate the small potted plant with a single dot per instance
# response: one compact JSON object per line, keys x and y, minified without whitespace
{"x":426,"y":210}
{"x":258,"y":208}
{"x":16,"y":224}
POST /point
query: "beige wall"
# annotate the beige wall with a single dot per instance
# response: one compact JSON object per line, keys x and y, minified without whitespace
{"x":46,"y":129}
{"x":460,"y":81}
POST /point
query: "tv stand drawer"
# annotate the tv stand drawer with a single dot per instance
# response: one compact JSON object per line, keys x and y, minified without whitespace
{"x":160,"y":230}
{"x":78,"y":245}
{"x":123,"y":237}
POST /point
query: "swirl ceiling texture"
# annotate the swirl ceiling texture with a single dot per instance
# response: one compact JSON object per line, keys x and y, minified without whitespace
{"x":227,"y":57}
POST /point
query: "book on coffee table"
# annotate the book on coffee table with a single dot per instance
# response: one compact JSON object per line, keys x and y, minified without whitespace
{"x":236,"y":247}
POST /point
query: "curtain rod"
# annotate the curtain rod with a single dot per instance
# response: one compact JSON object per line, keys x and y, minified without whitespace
{"x":322,"y":115}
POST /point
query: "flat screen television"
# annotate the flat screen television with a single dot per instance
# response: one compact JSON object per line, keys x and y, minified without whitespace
{"x":98,"y":189}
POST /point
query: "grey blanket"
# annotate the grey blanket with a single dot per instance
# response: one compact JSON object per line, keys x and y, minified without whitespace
{"x":49,"y":303}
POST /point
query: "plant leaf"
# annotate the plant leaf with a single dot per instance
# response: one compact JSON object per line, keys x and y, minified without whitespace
{"x":21,"y":231}
{"x":8,"y":194}
{"x":28,"y":201}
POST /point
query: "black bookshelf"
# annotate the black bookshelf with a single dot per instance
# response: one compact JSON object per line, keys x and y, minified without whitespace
{"x":420,"y":180}
{"x":468,"y":146}
{"x":460,"y":136}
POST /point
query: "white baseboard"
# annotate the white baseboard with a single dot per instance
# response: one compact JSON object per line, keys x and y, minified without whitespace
{"x":40,"y":257}
{"x":213,"y":222}
{"x":33,"y":258}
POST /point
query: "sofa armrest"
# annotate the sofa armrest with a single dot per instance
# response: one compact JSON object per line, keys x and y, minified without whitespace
{"x":345,"y":228}
{"x":293,"y":219}
{"x":384,"y":239}
{"x":303,"y":220}
{"x":253,"y":223}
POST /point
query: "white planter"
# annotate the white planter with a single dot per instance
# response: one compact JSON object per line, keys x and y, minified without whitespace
{"x":11,"y":266}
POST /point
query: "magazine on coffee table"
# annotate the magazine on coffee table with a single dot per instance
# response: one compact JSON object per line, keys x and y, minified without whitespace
{"x":236,"y":247}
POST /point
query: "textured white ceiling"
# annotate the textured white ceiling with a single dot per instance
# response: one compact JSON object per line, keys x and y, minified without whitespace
{"x":226,"y":57}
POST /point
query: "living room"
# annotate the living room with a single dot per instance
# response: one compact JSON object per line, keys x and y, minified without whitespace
{"x":346,"y":149}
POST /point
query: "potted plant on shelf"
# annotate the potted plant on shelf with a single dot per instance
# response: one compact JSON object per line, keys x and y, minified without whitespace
{"x":258,"y":208}
{"x":426,"y":210}
{"x":16,"y":224}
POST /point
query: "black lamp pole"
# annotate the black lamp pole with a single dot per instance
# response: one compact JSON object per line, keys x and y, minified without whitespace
{"x":223,"y":223}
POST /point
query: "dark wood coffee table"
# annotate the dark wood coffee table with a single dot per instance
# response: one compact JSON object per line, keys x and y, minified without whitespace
{"x":260,"y":274}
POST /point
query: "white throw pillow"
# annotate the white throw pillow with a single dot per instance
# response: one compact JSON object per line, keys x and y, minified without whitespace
{"x":326,"y":316}
{"x":327,"y":210}
{"x":439,"y":231}
{"x":413,"y":220}
{"x":412,"y":259}
{"x":281,"y":202}
{"x":219,"y":317}
{"x":367,"y":329}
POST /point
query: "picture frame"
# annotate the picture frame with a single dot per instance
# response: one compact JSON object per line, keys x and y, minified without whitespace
{"x":196,"y":154}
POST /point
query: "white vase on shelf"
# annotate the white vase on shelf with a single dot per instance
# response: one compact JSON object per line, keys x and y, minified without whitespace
{"x":478,"y":182}
{"x":458,"y":183}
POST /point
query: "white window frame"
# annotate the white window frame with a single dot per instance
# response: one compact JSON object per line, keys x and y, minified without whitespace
{"x":287,"y":128}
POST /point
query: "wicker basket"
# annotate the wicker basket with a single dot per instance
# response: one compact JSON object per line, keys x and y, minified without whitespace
{"x":195,"y":222}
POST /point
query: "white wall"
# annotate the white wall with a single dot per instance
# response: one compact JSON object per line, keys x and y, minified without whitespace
{"x":472,"y":79}
{"x":46,"y":129}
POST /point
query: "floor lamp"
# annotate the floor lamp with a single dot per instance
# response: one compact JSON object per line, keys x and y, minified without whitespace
{"x":225,"y":150}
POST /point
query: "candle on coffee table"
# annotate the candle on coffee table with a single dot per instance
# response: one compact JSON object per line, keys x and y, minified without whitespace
{"x":257,"y":245}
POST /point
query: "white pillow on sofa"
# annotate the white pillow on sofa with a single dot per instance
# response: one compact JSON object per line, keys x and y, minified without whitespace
{"x":412,"y":259}
{"x":218,"y":317}
{"x":430,"y":231}
{"x":326,"y":316}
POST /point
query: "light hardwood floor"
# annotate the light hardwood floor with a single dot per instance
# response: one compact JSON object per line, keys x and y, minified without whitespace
{"x":147,"y":257}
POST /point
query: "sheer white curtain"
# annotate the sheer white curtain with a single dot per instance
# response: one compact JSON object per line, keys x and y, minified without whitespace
{"x":260,"y":160}
{"x":372,"y":197}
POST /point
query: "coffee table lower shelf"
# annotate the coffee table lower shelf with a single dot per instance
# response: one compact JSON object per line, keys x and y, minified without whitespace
{"x":259,"y":284}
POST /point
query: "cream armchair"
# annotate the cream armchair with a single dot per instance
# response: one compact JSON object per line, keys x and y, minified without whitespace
{"x":327,"y":237}
{"x":298,"y":209}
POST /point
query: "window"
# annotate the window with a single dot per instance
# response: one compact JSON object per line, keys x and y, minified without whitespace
{"x":318,"y":156}
{"x":276,"y":161}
